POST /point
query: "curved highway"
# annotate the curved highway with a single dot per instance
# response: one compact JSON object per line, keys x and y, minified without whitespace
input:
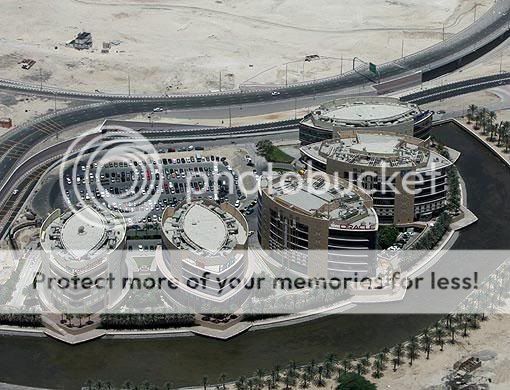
{"x":490,"y":30}
{"x":17,"y":172}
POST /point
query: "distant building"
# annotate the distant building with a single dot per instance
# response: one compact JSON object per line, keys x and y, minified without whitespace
{"x":83,"y":41}
{"x":328,"y":230}
{"x":6,"y":123}
{"x":387,"y":165}
{"x":365,"y":113}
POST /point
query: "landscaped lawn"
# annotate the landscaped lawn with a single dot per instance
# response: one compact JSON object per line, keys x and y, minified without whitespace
{"x":278,"y":156}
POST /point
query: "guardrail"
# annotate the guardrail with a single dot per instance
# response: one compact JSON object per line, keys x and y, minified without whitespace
{"x":491,"y":25}
{"x":457,"y":88}
{"x":432,"y":94}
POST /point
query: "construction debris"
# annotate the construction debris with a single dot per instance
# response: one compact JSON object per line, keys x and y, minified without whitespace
{"x":6,"y":123}
{"x":83,"y":41}
{"x":27,"y":63}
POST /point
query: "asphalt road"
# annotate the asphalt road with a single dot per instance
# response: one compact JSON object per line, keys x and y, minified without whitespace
{"x":493,"y":23}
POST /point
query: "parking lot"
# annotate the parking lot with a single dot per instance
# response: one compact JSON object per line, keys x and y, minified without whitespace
{"x":147,"y":186}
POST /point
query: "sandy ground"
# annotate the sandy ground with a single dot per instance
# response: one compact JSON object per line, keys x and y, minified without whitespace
{"x":167,"y":46}
{"x":493,"y":336}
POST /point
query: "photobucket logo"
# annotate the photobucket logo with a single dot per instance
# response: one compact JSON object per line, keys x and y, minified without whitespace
{"x":91,"y":178}
{"x":387,"y":181}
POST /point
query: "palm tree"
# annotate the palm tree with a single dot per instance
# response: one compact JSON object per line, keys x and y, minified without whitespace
{"x":222,"y":378}
{"x":378,"y":367}
{"x":320,"y":381}
{"x":426,"y":343}
{"x":329,"y":364}
{"x":491,"y":117}
{"x":412,"y":349}
{"x":260,"y":373}
{"x":482,"y":119}
{"x":397,"y":352}
{"x":204,"y":382}
{"x":453,"y":331}
{"x":128,"y":385}
{"x":347,"y":363}
{"x":439,"y":334}
{"x":276,"y":371}
{"x":305,"y":378}
{"x":240,"y":383}
{"x":471,"y":112}
{"x":384,"y":354}
{"x":287,"y":380}
{"x":363,"y":364}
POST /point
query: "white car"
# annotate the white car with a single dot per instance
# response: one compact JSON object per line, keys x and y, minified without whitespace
{"x":237,"y":204}
{"x":158,"y":109}
{"x":275,"y":93}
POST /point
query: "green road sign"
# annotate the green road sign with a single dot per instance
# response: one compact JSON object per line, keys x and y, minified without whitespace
{"x":373,"y":68}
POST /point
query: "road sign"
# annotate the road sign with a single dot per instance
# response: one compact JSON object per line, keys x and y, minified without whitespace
{"x":373,"y":68}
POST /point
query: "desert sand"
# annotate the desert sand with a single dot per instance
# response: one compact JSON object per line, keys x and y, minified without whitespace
{"x":167,"y":46}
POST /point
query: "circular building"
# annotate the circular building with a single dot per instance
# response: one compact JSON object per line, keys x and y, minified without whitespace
{"x":204,"y":254}
{"x":82,"y":251}
{"x":318,"y":226}
{"x":406,"y":179}
{"x":365,"y":113}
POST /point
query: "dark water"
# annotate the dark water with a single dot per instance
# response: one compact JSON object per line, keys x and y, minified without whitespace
{"x":184,"y":361}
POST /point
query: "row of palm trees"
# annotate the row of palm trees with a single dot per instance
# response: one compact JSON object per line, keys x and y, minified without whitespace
{"x":487,"y":121}
{"x":469,"y":314}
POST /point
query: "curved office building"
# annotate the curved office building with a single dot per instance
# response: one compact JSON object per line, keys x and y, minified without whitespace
{"x":317,"y":227}
{"x":365,"y":113}
{"x":407,"y":180}
{"x":87,"y":244}
{"x":204,"y":240}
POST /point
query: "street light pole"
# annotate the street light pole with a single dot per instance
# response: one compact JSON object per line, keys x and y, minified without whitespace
{"x":286,"y":75}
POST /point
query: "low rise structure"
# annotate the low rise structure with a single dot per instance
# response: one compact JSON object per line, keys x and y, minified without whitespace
{"x":365,"y":113}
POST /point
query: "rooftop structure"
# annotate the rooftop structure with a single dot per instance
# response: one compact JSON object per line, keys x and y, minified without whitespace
{"x":365,"y":113}
{"x":75,"y":239}
{"x":376,"y":150}
{"x":406,"y":178}
{"x":332,"y":201}
{"x":204,"y":227}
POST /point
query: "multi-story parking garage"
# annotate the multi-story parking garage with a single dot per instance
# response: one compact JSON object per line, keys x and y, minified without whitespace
{"x":85,"y":244}
{"x":204,"y":240}
{"x":364,"y":113}
{"x":318,"y":227}
{"x":407,"y":180}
